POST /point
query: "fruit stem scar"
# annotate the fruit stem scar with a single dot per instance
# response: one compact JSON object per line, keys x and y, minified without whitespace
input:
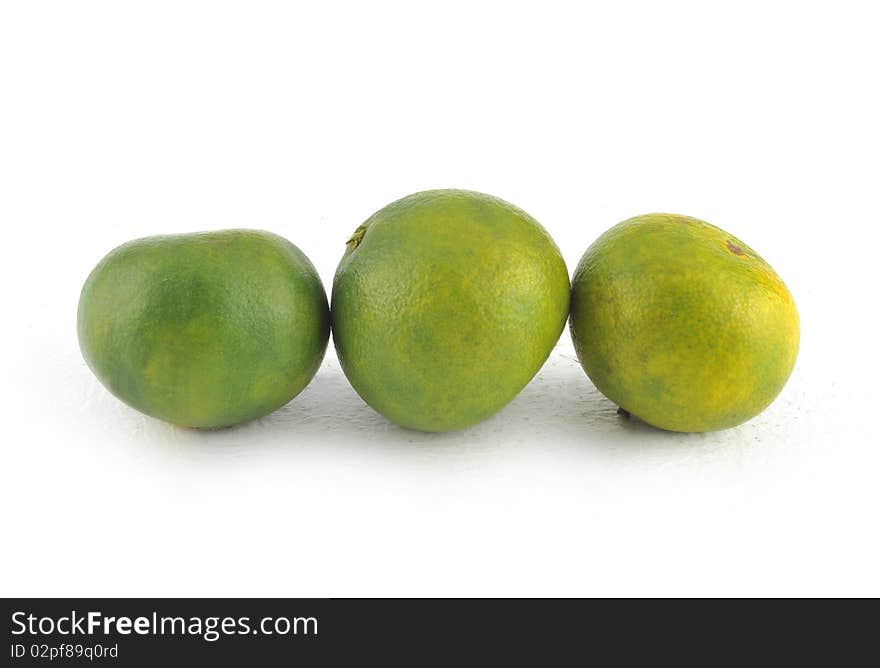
{"x":355,"y":239}
{"x":733,"y":248}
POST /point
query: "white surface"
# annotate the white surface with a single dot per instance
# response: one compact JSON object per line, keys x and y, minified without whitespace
{"x":120,"y":120}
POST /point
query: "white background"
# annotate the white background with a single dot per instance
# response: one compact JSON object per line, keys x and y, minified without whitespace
{"x":122,"y":119}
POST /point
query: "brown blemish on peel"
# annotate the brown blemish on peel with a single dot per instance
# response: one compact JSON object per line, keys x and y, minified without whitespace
{"x":733,"y":248}
{"x":356,"y":237}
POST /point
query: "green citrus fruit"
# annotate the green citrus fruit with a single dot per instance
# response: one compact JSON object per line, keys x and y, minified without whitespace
{"x":204,"y":330}
{"x":681,"y":324}
{"x":445,"y":304}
